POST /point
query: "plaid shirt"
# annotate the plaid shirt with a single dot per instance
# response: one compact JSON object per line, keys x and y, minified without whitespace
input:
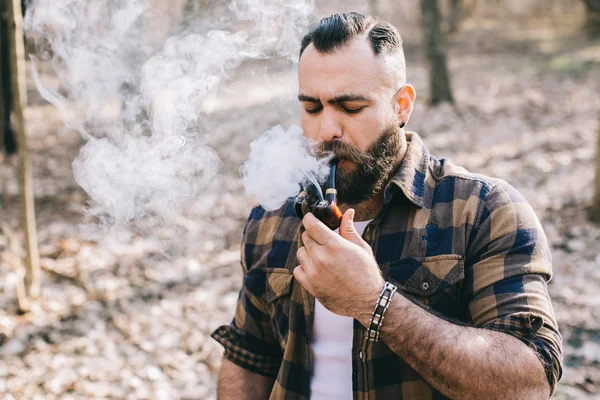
{"x":466,"y":247}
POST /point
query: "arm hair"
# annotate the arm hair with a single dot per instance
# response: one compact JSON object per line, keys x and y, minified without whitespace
{"x":237,"y":383}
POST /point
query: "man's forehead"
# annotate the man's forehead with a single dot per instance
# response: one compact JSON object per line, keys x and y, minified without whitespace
{"x":354,"y":68}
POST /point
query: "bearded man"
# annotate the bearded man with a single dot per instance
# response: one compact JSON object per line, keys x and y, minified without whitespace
{"x":436,"y":284}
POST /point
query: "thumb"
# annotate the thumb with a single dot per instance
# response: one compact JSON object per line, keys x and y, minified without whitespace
{"x":347,"y":230}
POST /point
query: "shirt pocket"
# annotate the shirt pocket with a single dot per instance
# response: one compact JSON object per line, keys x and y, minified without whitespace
{"x":434,"y":281}
{"x":276,"y":296}
{"x":278,"y":283}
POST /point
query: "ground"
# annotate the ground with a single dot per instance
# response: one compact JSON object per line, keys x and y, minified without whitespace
{"x":131,"y":318}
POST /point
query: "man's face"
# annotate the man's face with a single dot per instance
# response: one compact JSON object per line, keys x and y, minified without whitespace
{"x":347,"y":103}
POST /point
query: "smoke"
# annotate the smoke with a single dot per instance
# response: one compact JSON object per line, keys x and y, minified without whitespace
{"x":141,"y":95}
{"x":279,"y":161}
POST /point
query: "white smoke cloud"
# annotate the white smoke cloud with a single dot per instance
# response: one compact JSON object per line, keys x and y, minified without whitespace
{"x":281,"y":38}
{"x":142,"y":99}
{"x":279,"y":161}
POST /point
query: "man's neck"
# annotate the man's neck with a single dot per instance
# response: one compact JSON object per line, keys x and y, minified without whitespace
{"x":368,"y":210}
{"x":365,"y":211}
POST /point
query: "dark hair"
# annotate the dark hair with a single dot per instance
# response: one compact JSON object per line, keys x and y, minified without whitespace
{"x":335,"y":31}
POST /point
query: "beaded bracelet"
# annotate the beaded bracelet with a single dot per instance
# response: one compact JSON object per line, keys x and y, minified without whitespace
{"x":385,"y":298}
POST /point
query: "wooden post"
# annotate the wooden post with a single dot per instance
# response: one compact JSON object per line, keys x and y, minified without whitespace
{"x":17,"y":62}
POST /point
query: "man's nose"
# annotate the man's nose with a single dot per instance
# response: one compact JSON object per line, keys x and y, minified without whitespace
{"x":330,"y":128}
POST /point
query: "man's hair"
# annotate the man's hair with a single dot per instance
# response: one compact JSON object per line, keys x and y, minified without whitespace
{"x":335,"y":31}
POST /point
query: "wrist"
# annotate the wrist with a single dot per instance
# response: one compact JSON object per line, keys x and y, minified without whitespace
{"x":369,"y":301}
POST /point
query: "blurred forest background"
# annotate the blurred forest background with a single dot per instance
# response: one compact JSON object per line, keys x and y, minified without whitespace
{"x":121,"y":319}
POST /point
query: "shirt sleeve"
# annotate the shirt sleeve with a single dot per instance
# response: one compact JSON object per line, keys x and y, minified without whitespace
{"x":248,"y":340}
{"x":507,"y":269}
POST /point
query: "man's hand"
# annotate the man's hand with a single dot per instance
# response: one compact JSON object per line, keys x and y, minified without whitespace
{"x":339,"y":270}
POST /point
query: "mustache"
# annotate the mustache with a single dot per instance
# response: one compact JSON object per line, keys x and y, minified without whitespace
{"x":342,"y":150}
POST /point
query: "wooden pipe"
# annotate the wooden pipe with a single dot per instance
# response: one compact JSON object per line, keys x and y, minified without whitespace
{"x":326,"y":210}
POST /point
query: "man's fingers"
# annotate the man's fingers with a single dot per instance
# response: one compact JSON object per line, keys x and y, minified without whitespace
{"x":305,"y":259}
{"x":317,"y":230}
{"x":300,"y":276}
{"x":348,"y":230}
{"x":302,"y":255}
{"x":308,"y":242}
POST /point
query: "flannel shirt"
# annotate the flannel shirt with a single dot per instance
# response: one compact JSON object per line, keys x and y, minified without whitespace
{"x":466,"y":247}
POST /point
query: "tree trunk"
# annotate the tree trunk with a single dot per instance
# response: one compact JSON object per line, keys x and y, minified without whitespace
{"x":592,"y":21}
{"x":373,"y":7}
{"x":595,"y":210}
{"x":4,"y":77}
{"x":19,"y":94}
{"x":439,"y":79}
{"x":190,"y":10}
{"x":7,"y":137}
{"x":195,"y":11}
{"x":455,"y":15}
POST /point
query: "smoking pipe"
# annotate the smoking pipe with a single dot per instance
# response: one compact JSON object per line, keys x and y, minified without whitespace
{"x":325,"y":209}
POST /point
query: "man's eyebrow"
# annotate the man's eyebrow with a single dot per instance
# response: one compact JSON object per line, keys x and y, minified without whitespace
{"x":337,"y":99}
{"x":310,"y":99}
{"x":347,"y":97}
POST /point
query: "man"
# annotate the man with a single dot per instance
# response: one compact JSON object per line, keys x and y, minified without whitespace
{"x":462,"y":257}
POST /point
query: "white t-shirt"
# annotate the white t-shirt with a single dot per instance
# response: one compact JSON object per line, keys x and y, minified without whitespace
{"x":332,"y":350}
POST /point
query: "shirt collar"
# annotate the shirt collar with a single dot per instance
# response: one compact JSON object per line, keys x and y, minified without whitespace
{"x":410,"y":177}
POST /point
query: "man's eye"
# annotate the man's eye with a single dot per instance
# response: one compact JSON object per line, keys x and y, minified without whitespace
{"x":313,"y":110}
{"x":353,"y":110}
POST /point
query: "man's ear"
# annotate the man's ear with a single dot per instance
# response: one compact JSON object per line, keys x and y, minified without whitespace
{"x":404,"y":101}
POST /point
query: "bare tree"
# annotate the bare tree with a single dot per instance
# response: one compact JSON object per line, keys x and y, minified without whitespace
{"x":19,"y":99}
{"x":7,"y":137}
{"x":194,"y":9}
{"x":595,"y":210}
{"x":439,"y":79}
{"x":190,"y":10}
{"x":455,"y":15}
{"x":592,"y":22}
{"x":373,"y":7}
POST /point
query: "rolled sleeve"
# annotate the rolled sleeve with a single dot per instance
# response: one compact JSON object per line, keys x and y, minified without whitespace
{"x":538,"y":332}
{"x":509,"y":265}
{"x":247,"y":351}
{"x":248,"y":340}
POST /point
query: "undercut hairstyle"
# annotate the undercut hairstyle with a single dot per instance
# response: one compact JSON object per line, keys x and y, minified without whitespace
{"x":335,"y":31}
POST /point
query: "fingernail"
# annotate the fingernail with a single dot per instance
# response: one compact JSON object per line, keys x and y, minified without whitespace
{"x":352,"y":215}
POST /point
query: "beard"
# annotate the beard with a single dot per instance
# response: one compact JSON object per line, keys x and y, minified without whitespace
{"x":371,"y":168}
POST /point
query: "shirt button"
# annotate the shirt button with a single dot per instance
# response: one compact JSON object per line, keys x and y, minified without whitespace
{"x":360,"y":354}
{"x":425,"y":286}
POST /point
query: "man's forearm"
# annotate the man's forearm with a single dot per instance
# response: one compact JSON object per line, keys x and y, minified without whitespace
{"x":461,"y":361}
{"x":237,"y":383}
